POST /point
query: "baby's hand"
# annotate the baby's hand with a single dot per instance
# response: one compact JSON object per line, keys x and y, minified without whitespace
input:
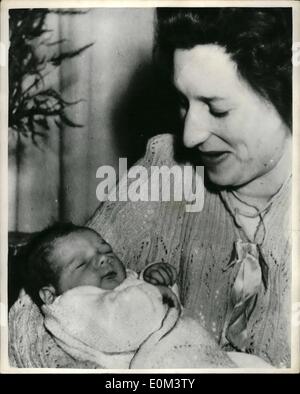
{"x":169,"y":298}
{"x":163,"y":274}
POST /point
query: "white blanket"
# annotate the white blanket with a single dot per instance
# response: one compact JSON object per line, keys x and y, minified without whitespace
{"x":129,"y":327}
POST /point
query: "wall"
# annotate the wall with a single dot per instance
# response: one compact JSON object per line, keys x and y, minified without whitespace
{"x":121,"y":110}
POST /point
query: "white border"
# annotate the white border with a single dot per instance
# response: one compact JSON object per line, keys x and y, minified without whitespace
{"x":5,"y":5}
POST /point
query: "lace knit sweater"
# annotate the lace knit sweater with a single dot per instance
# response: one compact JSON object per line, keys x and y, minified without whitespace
{"x":200,"y":246}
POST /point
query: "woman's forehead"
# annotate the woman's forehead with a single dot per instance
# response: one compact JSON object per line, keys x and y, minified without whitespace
{"x":205,"y":69}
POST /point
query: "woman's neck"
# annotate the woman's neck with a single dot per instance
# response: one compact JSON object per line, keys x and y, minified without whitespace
{"x":259,"y":191}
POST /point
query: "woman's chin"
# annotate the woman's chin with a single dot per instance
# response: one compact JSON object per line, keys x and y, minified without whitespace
{"x":222,"y":179}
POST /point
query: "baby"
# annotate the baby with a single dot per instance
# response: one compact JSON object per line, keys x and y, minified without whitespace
{"x":65,"y":256}
{"x":101,"y":312}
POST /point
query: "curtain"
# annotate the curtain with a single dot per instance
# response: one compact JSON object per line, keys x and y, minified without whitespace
{"x":56,"y":180}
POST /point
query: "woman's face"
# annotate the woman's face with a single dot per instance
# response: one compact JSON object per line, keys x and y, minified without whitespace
{"x":239,"y":135}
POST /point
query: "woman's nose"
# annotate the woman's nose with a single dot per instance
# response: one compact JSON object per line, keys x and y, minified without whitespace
{"x":196,"y":127}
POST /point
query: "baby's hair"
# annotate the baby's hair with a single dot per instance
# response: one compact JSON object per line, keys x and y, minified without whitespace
{"x":39,"y":271}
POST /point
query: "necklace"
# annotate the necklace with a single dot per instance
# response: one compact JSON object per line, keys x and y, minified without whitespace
{"x":258,"y":212}
{"x":232,"y":199}
{"x":241,"y":212}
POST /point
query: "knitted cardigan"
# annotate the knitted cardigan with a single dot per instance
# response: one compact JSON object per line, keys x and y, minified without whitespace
{"x":200,"y":246}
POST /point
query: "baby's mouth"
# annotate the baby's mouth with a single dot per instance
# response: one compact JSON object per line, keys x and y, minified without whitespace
{"x":110,"y":275}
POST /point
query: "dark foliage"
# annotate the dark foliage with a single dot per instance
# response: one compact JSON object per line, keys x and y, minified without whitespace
{"x":33,"y":56}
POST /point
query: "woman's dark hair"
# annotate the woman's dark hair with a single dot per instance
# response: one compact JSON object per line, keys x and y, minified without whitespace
{"x":259,"y":40}
{"x":39,"y":271}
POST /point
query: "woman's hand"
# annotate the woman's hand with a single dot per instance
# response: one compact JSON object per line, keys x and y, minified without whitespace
{"x":163,"y":274}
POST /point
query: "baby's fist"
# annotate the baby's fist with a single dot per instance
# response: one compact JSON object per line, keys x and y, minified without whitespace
{"x":160,"y":274}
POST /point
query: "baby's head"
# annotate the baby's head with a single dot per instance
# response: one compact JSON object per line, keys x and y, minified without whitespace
{"x":65,"y":256}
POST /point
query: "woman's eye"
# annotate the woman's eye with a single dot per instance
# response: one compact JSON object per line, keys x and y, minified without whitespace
{"x":218,"y":113}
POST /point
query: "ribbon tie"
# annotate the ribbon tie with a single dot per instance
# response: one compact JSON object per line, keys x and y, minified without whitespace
{"x":251,"y":277}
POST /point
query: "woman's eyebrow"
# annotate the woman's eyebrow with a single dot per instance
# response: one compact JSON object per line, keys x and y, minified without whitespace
{"x":205,"y":99}
{"x":210,"y":99}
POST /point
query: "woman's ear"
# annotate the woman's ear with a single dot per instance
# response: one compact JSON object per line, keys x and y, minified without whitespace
{"x":47,"y":294}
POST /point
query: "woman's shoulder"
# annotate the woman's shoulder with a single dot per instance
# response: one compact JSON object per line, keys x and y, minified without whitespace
{"x":161,"y":140}
{"x":160,"y":150}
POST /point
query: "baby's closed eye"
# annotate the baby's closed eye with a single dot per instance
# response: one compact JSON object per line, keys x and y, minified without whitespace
{"x":81,"y":264}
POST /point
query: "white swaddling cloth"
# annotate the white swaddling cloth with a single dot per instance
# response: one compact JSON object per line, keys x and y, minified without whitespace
{"x":105,"y":326}
{"x":130,"y":327}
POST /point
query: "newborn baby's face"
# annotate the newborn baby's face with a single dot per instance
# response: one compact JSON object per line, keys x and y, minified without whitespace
{"x":83,"y":258}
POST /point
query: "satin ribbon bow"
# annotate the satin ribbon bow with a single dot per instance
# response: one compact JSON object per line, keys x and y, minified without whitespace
{"x":251,"y":277}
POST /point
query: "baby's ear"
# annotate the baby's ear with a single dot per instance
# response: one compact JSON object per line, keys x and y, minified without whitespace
{"x":47,"y":294}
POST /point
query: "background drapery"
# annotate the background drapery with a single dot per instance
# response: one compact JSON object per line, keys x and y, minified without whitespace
{"x":122,"y":107}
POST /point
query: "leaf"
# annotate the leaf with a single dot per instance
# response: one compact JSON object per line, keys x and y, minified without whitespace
{"x":68,"y":122}
{"x":49,"y":44}
{"x":31,"y":107}
{"x":58,"y":123}
{"x":53,"y":93}
{"x":57,"y":60}
{"x":42,"y":122}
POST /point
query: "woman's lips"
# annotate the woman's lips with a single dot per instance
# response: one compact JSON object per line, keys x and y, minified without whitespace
{"x":212,"y":158}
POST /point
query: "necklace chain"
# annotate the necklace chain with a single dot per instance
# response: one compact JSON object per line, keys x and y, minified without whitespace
{"x":260,"y":213}
{"x":239,"y":211}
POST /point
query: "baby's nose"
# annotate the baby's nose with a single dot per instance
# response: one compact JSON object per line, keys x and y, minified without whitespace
{"x":101,"y":262}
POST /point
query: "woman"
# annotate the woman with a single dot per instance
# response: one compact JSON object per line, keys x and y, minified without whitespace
{"x":231,"y":70}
